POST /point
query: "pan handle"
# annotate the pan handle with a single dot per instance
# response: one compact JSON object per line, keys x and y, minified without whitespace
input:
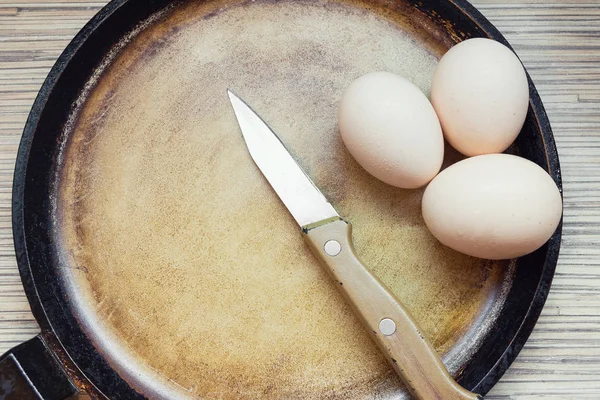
{"x":30,"y":371}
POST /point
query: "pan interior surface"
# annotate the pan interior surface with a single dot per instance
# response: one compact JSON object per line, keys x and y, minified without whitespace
{"x":184,"y":267}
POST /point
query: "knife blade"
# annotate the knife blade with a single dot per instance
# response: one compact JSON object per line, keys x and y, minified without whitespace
{"x":302,"y":198}
{"x":393,"y":329}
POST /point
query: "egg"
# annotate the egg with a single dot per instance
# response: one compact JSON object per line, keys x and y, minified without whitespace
{"x":389,"y":126}
{"x":481,"y":95}
{"x":494,"y":206}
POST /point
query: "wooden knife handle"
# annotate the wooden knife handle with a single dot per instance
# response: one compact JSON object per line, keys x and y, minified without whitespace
{"x":414,"y":359}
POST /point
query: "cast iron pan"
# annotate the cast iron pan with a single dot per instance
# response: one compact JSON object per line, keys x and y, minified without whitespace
{"x":92,"y":340}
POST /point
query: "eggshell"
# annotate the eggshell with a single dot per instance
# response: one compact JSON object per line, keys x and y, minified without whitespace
{"x":494,"y":206}
{"x":481,"y":95}
{"x":391,"y":129}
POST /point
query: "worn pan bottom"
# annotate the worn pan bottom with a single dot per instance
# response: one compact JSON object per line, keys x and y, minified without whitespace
{"x":186,"y":271}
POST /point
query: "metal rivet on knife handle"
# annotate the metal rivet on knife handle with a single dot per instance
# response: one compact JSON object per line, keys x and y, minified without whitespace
{"x":387,"y":326}
{"x":332,"y":248}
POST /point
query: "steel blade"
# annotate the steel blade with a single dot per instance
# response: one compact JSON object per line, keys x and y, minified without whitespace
{"x":301,"y":197}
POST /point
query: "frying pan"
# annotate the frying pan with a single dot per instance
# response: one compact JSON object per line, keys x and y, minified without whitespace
{"x":65,"y":358}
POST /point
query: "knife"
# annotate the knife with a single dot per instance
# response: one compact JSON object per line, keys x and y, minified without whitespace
{"x":330,"y":237}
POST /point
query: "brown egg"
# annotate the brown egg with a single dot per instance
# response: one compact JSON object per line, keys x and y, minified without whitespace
{"x":481,"y":95}
{"x":494,"y":206}
{"x":391,"y":129}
